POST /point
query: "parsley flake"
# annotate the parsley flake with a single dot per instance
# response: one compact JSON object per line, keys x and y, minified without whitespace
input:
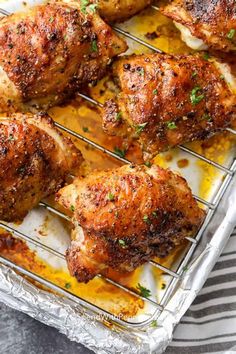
{"x":140,"y":127}
{"x":110,"y":197}
{"x":146,"y":219}
{"x":206,"y":55}
{"x":122,"y":243}
{"x":144,"y":292}
{"x":171,"y":125}
{"x":153,"y":324}
{"x":193,"y":96}
{"x":231,"y":33}
{"x":148,"y":163}
{"x":119,"y":152}
{"x":67,"y":285}
{"x":83,"y":5}
{"x":94,"y":46}
{"x":118,"y":116}
{"x":93,"y":7}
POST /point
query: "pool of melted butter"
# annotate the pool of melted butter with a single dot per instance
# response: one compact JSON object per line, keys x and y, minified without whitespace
{"x":85,"y":119}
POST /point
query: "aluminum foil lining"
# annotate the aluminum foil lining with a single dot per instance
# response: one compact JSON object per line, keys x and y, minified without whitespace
{"x":83,"y":326}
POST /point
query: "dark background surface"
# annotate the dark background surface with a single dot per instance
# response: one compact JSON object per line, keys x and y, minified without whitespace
{"x":20,"y":334}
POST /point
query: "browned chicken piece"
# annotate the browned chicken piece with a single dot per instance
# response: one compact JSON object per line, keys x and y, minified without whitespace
{"x":120,"y":10}
{"x":127,"y":215}
{"x":51,"y":50}
{"x":35,"y":158}
{"x":212,"y":22}
{"x":168,"y":100}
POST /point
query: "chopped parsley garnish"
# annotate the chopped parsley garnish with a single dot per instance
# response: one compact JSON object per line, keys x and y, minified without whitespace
{"x":194,"y":74}
{"x":72,"y":208}
{"x":206,"y":56}
{"x":119,"y":152}
{"x":154,"y":213}
{"x":51,"y":19}
{"x":146,"y":219}
{"x":171,"y":125}
{"x":206,"y":116}
{"x":93,"y":7}
{"x":110,"y":196}
{"x":140,"y":127}
{"x":231,"y":33}
{"x":11,"y":137}
{"x":68,"y":285}
{"x":85,"y":129}
{"x":194,"y":98}
{"x":148,"y":163}
{"x":141,"y":71}
{"x":83,"y":5}
{"x":122,"y":243}
{"x":153,"y":324}
{"x":143,"y":291}
{"x":94,"y":46}
{"x":155,"y":92}
{"x":118,"y":116}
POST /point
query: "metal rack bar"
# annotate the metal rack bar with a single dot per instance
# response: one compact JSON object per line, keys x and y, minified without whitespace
{"x":230,"y":130}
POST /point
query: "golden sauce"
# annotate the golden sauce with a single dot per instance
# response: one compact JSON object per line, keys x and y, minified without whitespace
{"x":96,"y":291}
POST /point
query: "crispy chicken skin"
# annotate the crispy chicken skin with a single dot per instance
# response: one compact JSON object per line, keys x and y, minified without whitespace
{"x":127,"y":215}
{"x":213,"y":21}
{"x":34,"y":161}
{"x":168,"y":100}
{"x":120,"y":10}
{"x":51,"y":50}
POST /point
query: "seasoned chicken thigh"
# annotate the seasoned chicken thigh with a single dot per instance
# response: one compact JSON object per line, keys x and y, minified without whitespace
{"x":51,"y":50}
{"x":168,"y":100}
{"x":119,"y":10}
{"x":34,"y":161}
{"x":127,"y":216}
{"x":205,"y":23}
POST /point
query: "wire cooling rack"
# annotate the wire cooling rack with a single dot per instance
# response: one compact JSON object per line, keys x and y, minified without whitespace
{"x":228,"y":173}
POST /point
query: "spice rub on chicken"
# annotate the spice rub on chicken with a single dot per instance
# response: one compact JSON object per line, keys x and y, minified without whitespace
{"x":124,"y":217}
{"x":51,"y":50}
{"x":167,"y":100}
{"x":35,"y":158}
{"x":208,"y":23}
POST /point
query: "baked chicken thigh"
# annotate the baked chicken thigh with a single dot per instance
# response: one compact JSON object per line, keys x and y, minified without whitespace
{"x":167,"y":100}
{"x":208,"y":23}
{"x":34,"y":161}
{"x":119,"y":10}
{"x":127,"y":216}
{"x":51,"y":50}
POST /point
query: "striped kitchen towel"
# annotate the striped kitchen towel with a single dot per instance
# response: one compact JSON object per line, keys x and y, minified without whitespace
{"x":209,"y":326}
